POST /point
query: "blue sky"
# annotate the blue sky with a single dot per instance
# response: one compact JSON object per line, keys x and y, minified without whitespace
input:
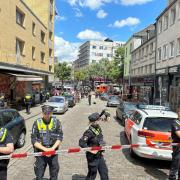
{"x":82,"y":20}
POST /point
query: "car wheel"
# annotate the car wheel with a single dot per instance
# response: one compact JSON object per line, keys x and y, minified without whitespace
{"x":21,"y":141}
{"x":132,"y":153}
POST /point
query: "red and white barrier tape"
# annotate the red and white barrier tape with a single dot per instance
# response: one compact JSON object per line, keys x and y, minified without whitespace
{"x":78,"y":150}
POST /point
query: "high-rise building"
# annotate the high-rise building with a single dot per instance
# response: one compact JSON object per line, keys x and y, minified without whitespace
{"x":93,"y":51}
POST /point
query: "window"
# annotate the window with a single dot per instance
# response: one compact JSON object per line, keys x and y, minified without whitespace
{"x":20,"y":16}
{"x":172,"y":49}
{"x":109,"y":55}
{"x":142,"y":52}
{"x":165,"y":51}
{"x":160,"y":26}
{"x":50,"y":52}
{"x":7,"y":117}
{"x":42,"y":57}
{"x":33,"y":53}
{"x":51,"y":18}
{"x":166,"y":22}
{"x":50,"y":35}
{"x":20,"y":47}
{"x":173,"y":15}
{"x":50,"y":68}
{"x":105,"y":48}
{"x":94,"y":47}
{"x":178,"y":46}
{"x":33,"y":28}
{"x":42,"y":37}
{"x":151,"y":48}
{"x":147,"y":48}
{"x":159,"y":54}
{"x":100,"y":47}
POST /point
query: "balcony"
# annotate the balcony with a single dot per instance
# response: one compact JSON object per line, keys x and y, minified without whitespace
{"x":51,"y":61}
{"x":51,"y":9}
{"x":50,"y":43}
{"x":51,"y":26}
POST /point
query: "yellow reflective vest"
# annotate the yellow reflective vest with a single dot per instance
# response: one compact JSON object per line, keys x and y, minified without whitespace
{"x":3,"y":133}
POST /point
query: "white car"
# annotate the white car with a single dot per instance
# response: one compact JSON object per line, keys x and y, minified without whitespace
{"x":59,"y":103}
{"x":150,"y":126}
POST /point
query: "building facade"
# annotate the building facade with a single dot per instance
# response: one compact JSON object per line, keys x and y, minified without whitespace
{"x":143,"y":66}
{"x":26,"y":46}
{"x":168,"y":55}
{"x":93,"y":51}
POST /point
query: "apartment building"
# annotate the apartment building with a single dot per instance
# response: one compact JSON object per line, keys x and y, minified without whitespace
{"x":143,"y":65}
{"x":93,"y":51}
{"x":168,"y":55}
{"x":26,"y":46}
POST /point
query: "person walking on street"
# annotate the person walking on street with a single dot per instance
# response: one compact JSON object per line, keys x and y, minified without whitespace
{"x":47,"y":135}
{"x":93,"y":137}
{"x":175,"y":165}
{"x":28,"y":102}
{"x":89,"y":98}
{"x":6,"y":148}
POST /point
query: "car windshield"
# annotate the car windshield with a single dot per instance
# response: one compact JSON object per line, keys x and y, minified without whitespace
{"x":162,"y":124}
{"x":57,"y":100}
{"x":69,"y":97}
{"x":113,"y":98}
{"x":130,"y":106}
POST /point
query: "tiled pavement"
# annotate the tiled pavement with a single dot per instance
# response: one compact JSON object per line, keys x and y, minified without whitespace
{"x":73,"y":166}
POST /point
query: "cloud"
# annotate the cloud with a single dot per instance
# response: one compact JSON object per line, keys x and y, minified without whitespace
{"x":90,"y":35}
{"x":130,"y":21}
{"x":97,"y":4}
{"x":92,"y":4}
{"x":134,"y":2}
{"x":78,"y":12}
{"x":101,"y":14}
{"x":60,"y":18}
{"x":65,"y":50}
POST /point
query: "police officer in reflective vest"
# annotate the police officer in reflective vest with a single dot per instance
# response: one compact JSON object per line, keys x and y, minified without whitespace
{"x":93,"y":137}
{"x":47,"y":135}
{"x":175,"y":166}
{"x":6,"y":148}
{"x":28,"y":102}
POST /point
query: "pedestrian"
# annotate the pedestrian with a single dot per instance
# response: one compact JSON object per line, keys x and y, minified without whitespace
{"x":175,"y":134}
{"x":93,"y":137}
{"x":89,"y":98}
{"x":28,"y":102}
{"x":107,"y":115}
{"x":6,"y":148}
{"x":47,"y":135}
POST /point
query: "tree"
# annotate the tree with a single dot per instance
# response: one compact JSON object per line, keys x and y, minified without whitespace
{"x":80,"y":75}
{"x":62,"y":72}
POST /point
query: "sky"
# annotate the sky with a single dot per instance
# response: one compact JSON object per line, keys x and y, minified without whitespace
{"x":81,"y":20}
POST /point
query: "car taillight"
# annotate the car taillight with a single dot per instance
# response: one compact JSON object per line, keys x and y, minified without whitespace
{"x":145,"y":134}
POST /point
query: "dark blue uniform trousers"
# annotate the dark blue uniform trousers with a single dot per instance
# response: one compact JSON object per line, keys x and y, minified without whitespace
{"x":96,"y":163}
{"x":3,"y":169}
{"x":175,"y":165}
{"x":41,"y":164}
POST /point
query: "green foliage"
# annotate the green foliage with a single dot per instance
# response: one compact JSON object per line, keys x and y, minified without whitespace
{"x":62,"y":72}
{"x":80,"y":75}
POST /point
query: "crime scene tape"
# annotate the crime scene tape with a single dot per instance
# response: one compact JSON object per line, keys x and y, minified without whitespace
{"x":78,"y":150}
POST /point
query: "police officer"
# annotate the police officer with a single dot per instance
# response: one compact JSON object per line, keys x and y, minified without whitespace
{"x":47,"y":135}
{"x":6,"y":148}
{"x":175,"y":166}
{"x":93,"y":137}
{"x":28,"y":102}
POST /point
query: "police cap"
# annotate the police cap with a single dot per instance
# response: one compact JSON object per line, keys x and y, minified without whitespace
{"x":94,"y":117}
{"x":47,"y":109}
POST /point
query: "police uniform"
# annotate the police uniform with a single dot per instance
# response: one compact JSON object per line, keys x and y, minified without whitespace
{"x":93,"y":137}
{"x":5,"y":138}
{"x":175,"y":166}
{"x":28,"y":102}
{"x":46,"y":134}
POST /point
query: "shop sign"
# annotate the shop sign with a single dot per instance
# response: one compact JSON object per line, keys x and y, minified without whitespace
{"x":173,"y":70}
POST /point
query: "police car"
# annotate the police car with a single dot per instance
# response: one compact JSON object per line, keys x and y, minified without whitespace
{"x":150,"y":126}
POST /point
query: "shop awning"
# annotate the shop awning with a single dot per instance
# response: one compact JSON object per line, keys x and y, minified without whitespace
{"x":22,"y":77}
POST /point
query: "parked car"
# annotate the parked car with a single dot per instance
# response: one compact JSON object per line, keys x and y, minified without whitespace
{"x":104,"y":96}
{"x":113,"y":101}
{"x":71,"y":100}
{"x":14,"y":122}
{"x":59,"y":103}
{"x":150,"y":126}
{"x":123,"y":110}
